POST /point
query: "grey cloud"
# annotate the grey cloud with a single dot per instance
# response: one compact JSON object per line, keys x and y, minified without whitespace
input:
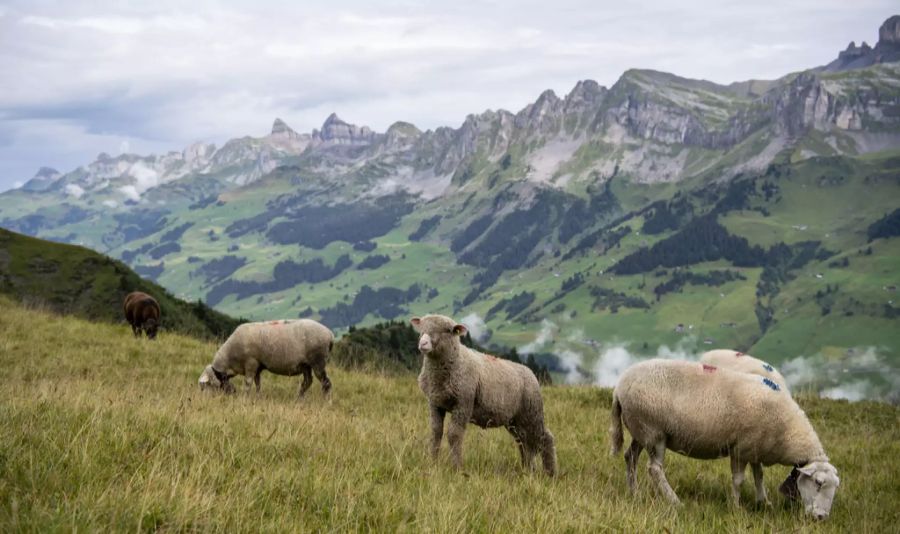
{"x":167,"y":74}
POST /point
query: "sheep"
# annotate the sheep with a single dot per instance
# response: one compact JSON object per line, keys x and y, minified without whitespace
{"x":704,"y":412}
{"x":142,"y":313}
{"x":743,"y":362}
{"x":481,"y":389}
{"x":285,"y":347}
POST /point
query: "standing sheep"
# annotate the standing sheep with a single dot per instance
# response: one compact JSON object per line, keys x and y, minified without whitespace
{"x":480,"y":389}
{"x":704,"y":412}
{"x":744,"y":363}
{"x":281,"y":347}
{"x":142,"y":313}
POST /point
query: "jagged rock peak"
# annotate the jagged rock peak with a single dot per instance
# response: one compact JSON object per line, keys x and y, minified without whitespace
{"x":42,"y":180}
{"x":332,"y":120}
{"x":547,"y":96}
{"x":335,"y":130}
{"x":582,"y":88}
{"x":46,"y":172}
{"x":279,"y":127}
{"x":886,"y":50}
{"x":403,"y":129}
{"x":889,"y":32}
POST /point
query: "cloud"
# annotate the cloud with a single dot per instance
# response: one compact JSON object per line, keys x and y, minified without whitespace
{"x":859,"y":373}
{"x":74,"y":190}
{"x":477,"y":327}
{"x":852,"y":391}
{"x":165,"y":75}
{"x":110,"y":203}
{"x":543,"y":338}
{"x":130,"y":192}
{"x":614,"y":359}
{"x":144,"y":177}
{"x":571,"y":361}
{"x":17,"y":184}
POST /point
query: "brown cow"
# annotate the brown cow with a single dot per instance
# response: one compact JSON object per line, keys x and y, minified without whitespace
{"x":142,"y":312}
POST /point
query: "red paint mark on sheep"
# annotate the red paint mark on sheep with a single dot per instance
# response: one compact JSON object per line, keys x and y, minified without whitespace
{"x":490,"y":357}
{"x":738,"y":354}
{"x":709,"y":368}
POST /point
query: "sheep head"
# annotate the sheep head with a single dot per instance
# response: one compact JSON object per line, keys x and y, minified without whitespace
{"x":212,"y":379}
{"x":151,"y":326}
{"x":439,"y":334}
{"x":815,"y":484}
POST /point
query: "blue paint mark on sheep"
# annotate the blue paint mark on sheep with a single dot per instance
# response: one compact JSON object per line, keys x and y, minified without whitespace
{"x":768,"y":367}
{"x":771,"y":384}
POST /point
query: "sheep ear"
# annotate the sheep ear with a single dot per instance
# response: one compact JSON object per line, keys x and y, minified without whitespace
{"x":416,"y":321}
{"x":808,"y":470}
{"x":460,"y":330}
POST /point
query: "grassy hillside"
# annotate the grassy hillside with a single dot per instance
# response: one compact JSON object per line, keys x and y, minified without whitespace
{"x":76,"y":280}
{"x":104,"y":432}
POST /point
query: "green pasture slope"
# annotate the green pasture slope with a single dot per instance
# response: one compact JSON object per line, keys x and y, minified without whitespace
{"x":76,"y":280}
{"x":105,"y":432}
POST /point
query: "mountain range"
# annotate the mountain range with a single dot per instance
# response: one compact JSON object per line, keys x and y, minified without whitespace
{"x":658,"y":215}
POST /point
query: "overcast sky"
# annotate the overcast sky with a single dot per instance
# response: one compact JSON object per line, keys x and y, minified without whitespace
{"x":79,"y":77}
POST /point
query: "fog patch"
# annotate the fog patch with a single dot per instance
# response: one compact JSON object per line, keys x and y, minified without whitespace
{"x":130,"y":192}
{"x":544,"y":337}
{"x":477,"y":327}
{"x":571,"y":362}
{"x":74,"y":190}
{"x":616,"y":358}
{"x":144,"y":177}
{"x":612,"y":363}
{"x":860,"y":373}
{"x":853,"y":391}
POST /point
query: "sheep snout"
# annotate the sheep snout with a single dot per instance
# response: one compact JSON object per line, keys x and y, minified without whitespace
{"x":425,"y":345}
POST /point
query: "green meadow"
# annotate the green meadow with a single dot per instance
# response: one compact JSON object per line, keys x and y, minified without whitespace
{"x":105,"y":432}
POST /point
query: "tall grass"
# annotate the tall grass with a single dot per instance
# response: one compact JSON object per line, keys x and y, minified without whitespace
{"x":104,"y":432}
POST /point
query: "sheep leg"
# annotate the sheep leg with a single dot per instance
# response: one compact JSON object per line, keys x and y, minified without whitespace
{"x":458,"y":421}
{"x":737,"y":478}
{"x":548,"y":453}
{"x":761,"y":497}
{"x":631,"y":459}
{"x":323,"y":378}
{"x":306,"y":382}
{"x":256,"y":378}
{"x":251,"y":374}
{"x":657,"y":454}
{"x":136,"y":330}
{"x":437,"y":430}
{"x":523,"y":455}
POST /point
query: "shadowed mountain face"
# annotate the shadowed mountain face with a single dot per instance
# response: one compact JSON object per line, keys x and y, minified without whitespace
{"x":607,"y":215}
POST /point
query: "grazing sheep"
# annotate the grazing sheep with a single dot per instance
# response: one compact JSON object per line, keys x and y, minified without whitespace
{"x":705,"y":412}
{"x":743,"y":362}
{"x":281,"y":347}
{"x":481,"y":389}
{"x":142,"y":313}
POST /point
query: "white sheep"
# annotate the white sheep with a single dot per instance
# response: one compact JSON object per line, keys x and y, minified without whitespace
{"x":481,"y":389}
{"x":285,"y":347}
{"x":705,"y":412}
{"x":743,"y":362}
